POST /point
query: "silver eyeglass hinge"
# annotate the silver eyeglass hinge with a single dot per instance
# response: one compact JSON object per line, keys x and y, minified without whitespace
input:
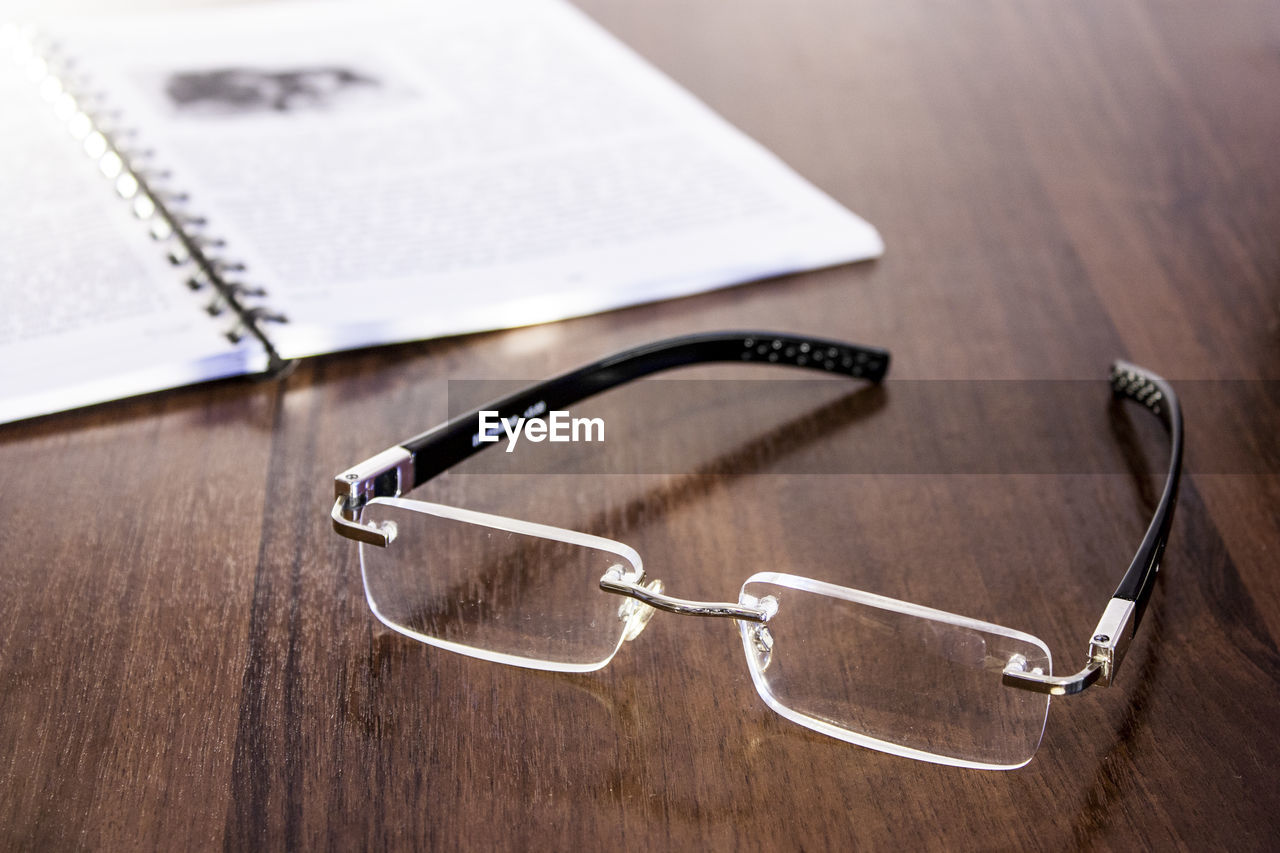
{"x":1106,"y":649}
{"x":387,"y":475}
{"x":1111,"y":638}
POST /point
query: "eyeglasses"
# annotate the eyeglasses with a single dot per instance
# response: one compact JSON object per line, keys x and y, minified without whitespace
{"x":869,"y":670}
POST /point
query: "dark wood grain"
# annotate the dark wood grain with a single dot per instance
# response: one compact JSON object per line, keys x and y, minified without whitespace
{"x":188,"y":661}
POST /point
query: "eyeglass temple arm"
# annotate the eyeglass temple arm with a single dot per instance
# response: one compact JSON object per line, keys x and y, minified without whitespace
{"x":1124,"y":611}
{"x":412,"y":463}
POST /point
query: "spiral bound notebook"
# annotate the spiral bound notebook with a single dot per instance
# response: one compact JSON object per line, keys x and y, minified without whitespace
{"x":266,"y":183}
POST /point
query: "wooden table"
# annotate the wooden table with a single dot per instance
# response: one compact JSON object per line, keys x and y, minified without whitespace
{"x":188,"y":661}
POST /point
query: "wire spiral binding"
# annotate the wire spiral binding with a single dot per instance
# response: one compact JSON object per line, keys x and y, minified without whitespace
{"x":110,"y":145}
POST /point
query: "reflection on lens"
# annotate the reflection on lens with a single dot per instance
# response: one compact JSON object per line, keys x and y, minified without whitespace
{"x":894,"y":676}
{"x":495,"y":588}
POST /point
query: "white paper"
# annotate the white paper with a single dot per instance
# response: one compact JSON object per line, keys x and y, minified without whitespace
{"x":395,"y":172}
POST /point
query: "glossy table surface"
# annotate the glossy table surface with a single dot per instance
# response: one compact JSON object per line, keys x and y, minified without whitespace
{"x":188,"y":661}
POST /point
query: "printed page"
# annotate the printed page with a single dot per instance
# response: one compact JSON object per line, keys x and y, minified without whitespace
{"x":391,"y":172}
{"x":90,"y":310}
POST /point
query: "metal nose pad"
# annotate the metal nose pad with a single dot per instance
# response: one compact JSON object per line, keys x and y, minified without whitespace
{"x":761,"y":645}
{"x":636,"y":613}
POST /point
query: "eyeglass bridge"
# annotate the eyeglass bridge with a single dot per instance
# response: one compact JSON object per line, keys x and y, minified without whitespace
{"x":616,"y":581}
